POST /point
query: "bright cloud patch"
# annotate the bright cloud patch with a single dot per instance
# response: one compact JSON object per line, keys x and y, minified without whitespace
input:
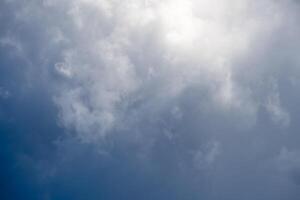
{"x":120,"y":53}
{"x":189,"y":99}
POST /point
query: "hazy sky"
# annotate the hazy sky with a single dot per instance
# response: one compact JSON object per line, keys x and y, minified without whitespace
{"x":149,"y":100}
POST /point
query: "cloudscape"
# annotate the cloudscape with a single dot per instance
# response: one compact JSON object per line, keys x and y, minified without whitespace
{"x":149,"y":100}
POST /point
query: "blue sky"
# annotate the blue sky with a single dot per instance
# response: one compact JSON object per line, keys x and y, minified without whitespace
{"x":169,"y":99}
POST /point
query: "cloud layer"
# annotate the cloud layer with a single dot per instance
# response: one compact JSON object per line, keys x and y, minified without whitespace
{"x":189,"y":99}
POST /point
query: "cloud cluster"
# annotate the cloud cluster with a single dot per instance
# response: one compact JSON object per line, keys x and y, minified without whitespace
{"x":204,"y":92}
{"x":125,"y":59}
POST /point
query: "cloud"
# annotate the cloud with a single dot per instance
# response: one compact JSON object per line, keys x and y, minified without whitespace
{"x":123,"y":53}
{"x":278,"y":114}
{"x":187,"y":99}
{"x":204,"y":159}
{"x":4,"y":93}
{"x":289,"y":162}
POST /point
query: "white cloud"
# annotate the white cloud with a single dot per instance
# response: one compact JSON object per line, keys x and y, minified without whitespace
{"x":176,"y":84}
{"x":205,"y":158}
{"x":288,"y":163}
{"x":288,"y":160}
{"x":186,"y":43}
{"x":122,"y":59}
{"x":12,"y":43}
{"x":63,"y":69}
{"x":278,"y":114}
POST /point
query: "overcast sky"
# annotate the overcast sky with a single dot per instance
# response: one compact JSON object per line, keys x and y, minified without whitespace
{"x":149,"y":100}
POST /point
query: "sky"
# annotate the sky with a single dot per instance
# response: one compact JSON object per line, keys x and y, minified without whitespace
{"x":149,"y":100}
